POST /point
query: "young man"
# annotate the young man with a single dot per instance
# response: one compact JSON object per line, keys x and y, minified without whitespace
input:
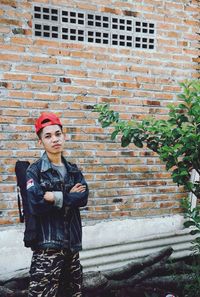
{"x":55,"y":189}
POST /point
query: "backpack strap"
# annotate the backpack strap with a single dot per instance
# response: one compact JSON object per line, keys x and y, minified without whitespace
{"x":19,"y":202}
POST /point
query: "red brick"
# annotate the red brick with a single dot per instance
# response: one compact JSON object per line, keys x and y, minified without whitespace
{"x":9,"y":3}
{"x":98,"y":75}
{"x":15,"y":112}
{"x":43,"y":78}
{"x":124,"y":77}
{"x":100,"y":92}
{"x":27,"y":68}
{"x":46,"y":43}
{"x":13,"y":48}
{"x":117,"y":67}
{"x":25,"y":95}
{"x":78,"y":73}
{"x":49,"y":97}
{"x":33,"y":105}
{"x":13,"y":76}
{"x":86,"y":6}
{"x":11,"y":22}
{"x":4,"y":30}
{"x":194,"y":23}
{"x":84,"y":82}
{"x":22,"y":40}
{"x":10,"y":57}
{"x":53,"y":70}
{"x":121,"y":93}
{"x":84,"y":55}
{"x":111,"y":10}
{"x":11,"y":103}
{"x":70,"y":62}
{"x":43,"y":60}
{"x":38,"y":87}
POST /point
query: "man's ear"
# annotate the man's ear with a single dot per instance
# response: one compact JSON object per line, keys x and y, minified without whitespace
{"x":40,"y":141}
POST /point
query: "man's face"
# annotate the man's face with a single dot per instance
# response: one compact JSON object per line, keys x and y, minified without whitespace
{"x":52,"y":139}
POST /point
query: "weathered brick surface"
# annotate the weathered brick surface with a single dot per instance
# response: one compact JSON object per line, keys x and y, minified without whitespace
{"x":68,"y":78}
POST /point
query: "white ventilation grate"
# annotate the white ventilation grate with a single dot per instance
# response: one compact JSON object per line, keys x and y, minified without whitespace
{"x":83,"y":26}
{"x":72,"y":17}
{"x":45,"y":13}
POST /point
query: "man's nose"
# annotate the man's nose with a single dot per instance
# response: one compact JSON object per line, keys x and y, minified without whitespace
{"x":54,"y":138}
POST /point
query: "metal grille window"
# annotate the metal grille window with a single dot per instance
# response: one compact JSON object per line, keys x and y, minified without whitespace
{"x":83,"y":26}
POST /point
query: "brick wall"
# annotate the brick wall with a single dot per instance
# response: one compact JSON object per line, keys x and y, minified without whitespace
{"x":67,"y":77}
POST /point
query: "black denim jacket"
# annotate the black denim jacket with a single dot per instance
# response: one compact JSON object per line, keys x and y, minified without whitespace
{"x":56,"y":227}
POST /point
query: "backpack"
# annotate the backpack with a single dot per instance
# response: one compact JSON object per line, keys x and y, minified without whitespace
{"x":20,"y":171}
{"x":30,"y":233}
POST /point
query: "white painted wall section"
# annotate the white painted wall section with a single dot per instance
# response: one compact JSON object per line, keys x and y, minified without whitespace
{"x":106,"y":245}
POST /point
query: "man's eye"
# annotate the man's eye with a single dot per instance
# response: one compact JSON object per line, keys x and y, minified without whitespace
{"x":47,"y":136}
{"x":58,"y":134}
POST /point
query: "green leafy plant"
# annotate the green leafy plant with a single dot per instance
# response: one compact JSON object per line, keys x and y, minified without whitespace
{"x":192,"y":216}
{"x":192,"y":220}
{"x":191,"y":289}
{"x":176,"y":140}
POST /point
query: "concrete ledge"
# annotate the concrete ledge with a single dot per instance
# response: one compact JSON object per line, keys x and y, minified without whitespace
{"x":115,"y":232}
{"x":106,"y":245}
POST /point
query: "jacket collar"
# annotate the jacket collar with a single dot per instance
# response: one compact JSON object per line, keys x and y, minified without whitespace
{"x":46,"y":164}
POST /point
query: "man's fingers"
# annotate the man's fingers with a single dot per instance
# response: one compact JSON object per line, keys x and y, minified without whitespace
{"x":78,"y":185}
{"x":81,"y":188}
{"x":78,"y":188}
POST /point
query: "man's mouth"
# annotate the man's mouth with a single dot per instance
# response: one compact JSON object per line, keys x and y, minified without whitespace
{"x":56,"y":146}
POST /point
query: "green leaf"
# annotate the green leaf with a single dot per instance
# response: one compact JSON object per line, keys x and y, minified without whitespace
{"x":188,"y":224}
{"x":105,"y":124}
{"x":170,"y":164}
{"x":193,"y":232}
{"x":114,"y":134}
{"x":138,"y":143}
{"x":125,"y":141}
{"x":182,"y":106}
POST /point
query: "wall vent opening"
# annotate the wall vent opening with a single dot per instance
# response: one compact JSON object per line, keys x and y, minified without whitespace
{"x":83,"y":26}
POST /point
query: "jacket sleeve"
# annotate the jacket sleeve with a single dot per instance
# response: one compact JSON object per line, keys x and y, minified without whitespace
{"x":76,"y":199}
{"x":35,"y":194}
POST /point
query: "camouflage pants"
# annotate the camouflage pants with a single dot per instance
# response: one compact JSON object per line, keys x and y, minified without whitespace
{"x":55,"y":274}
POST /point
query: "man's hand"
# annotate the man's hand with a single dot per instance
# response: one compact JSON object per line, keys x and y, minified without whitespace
{"x":79,"y":188}
{"x":49,"y":197}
